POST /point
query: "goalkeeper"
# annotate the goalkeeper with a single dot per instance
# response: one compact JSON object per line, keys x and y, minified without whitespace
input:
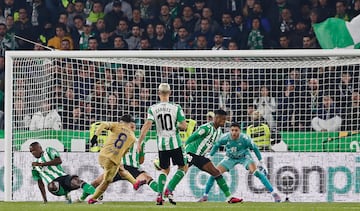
{"x":238,"y":147}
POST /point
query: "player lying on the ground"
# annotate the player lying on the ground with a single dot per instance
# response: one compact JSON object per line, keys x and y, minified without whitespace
{"x":238,"y":146}
{"x":201,"y":142}
{"x":132,"y":161}
{"x":47,"y":167}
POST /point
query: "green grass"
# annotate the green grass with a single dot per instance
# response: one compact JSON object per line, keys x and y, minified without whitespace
{"x":208,"y":206}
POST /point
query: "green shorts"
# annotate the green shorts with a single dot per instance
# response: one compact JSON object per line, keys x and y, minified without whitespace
{"x":229,"y":163}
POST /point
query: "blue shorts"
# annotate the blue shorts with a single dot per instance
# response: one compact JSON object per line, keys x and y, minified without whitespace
{"x":229,"y":163}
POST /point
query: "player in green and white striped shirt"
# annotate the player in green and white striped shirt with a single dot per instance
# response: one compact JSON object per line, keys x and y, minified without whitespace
{"x":47,"y":168}
{"x":200,"y":143}
{"x":168,"y":118}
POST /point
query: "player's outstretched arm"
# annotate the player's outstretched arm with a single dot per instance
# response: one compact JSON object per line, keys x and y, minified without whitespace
{"x":42,"y":190}
{"x":145,"y":128}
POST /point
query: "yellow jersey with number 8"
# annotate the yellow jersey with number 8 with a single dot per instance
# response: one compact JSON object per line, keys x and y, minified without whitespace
{"x":118,"y":141}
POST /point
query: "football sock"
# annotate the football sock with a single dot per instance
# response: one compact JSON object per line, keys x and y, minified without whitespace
{"x":87,"y":188}
{"x":223,"y":186}
{"x":176,"y":179}
{"x":264,"y":180}
{"x":153,"y":185}
{"x":161,"y":182}
{"x":209,"y":184}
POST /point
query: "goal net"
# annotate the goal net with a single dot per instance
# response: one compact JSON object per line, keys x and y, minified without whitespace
{"x":300,"y":107}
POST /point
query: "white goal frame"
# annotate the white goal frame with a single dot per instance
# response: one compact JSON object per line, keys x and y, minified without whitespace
{"x":10,"y":55}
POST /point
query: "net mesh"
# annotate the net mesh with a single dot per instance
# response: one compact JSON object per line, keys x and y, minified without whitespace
{"x":310,"y":104}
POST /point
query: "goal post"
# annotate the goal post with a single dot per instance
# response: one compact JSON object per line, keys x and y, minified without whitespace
{"x":57,"y":97}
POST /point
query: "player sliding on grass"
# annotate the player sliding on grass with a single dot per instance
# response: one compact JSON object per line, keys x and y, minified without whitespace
{"x":238,"y":147}
{"x":200,"y":143}
{"x":47,"y":167}
{"x":132,"y":161}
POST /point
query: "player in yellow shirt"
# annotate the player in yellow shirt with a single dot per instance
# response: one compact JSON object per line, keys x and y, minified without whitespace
{"x":119,"y":141}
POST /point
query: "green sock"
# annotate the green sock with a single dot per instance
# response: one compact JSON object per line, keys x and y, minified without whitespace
{"x":153,"y":185}
{"x":223,"y":186}
{"x":176,"y":179}
{"x":84,"y":195}
{"x":89,"y":189}
{"x":161,"y":182}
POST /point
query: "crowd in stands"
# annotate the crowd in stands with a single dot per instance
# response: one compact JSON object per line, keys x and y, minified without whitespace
{"x":181,"y":25}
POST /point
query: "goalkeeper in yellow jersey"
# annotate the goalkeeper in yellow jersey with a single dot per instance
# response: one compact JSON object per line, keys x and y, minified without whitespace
{"x":115,"y":147}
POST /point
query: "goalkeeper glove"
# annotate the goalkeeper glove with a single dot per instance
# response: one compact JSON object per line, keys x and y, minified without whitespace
{"x":94,"y":141}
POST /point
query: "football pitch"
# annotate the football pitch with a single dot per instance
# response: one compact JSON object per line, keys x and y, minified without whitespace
{"x":139,"y":206}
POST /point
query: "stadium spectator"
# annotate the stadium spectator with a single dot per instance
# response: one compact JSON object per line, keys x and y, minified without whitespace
{"x":351,"y":116}
{"x":75,"y":120}
{"x":137,"y":20}
{"x":188,"y":19}
{"x":162,"y":40}
{"x":205,"y":30}
{"x":113,"y":17}
{"x":308,"y":42}
{"x":60,"y":34}
{"x":145,"y":44}
{"x":104,"y":42}
{"x":232,"y":45}
{"x":344,"y":89}
{"x":174,"y":8}
{"x":46,"y":118}
{"x":266,"y":105}
{"x":228,"y":29}
{"x":119,"y":83}
{"x":125,"y":8}
{"x":225,"y":98}
{"x":201,"y":43}
{"x":112,"y":109}
{"x":257,"y":38}
{"x":165,"y":18}
{"x":148,"y":10}
{"x":134,"y":40}
{"x":85,"y":35}
{"x":328,"y":117}
{"x":98,"y":27}
{"x":325,"y":10}
{"x":96,"y":13}
{"x":284,"y":42}
{"x":150,"y":31}
{"x":93,"y":44}
{"x":218,"y":42}
{"x":199,"y":5}
{"x":65,"y":45}
{"x":77,"y":29}
{"x":341,"y":10}
{"x":176,"y":24}
{"x":23,"y":28}
{"x":257,"y":11}
{"x":183,"y":40}
{"x":90,"y":116}
{"x":128,"y":95}
{"x":108,"y":80}
{"x":212,"y":23}
{"x":296,"y":36}
{"x":99,"y":95}
{"x":78,"y":11}
{"x":122,"y":29}
{"x":355,"y":9}
{"x":119,"y":43}
{"x":21,"y":117}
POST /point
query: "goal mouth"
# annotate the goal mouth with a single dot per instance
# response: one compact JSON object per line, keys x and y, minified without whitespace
{"x":282,"y":99}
